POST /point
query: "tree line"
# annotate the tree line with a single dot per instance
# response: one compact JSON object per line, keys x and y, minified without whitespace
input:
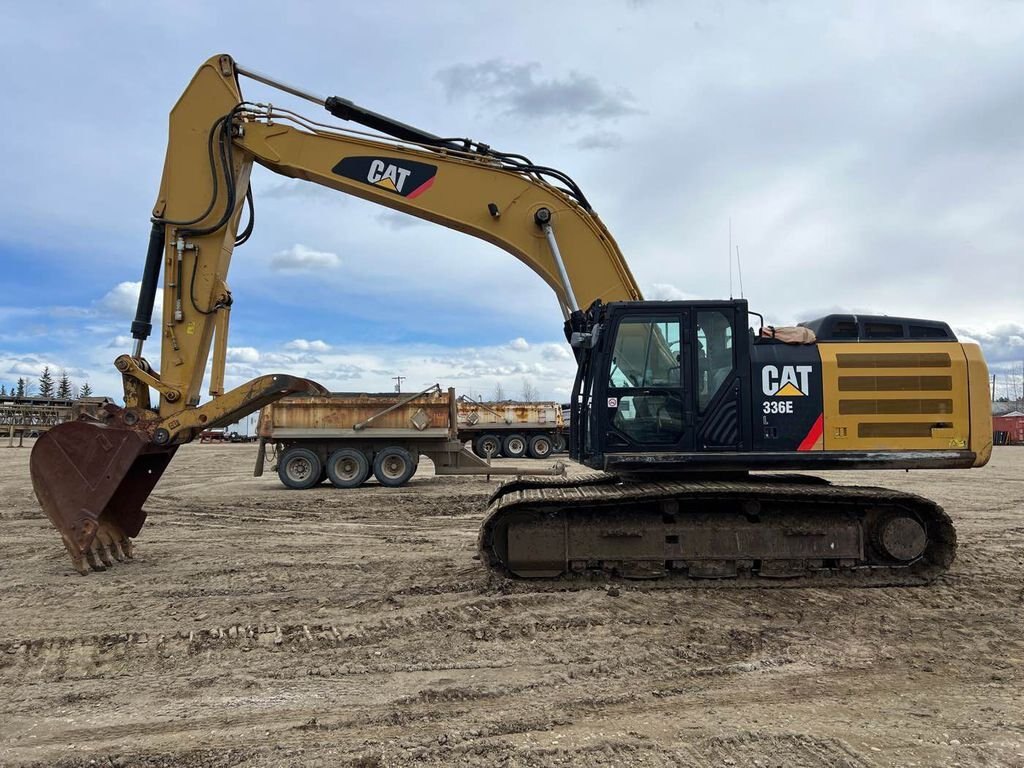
{"x":528,"y":394}
{"x":62,"y":388}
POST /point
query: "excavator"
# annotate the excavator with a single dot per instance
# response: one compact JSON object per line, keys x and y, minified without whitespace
{"x":698,"y":431}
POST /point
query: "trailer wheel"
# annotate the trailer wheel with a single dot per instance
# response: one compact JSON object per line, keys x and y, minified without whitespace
{"x":488,"y":445}
{"x":348,"y":468}
{"x":299,"y":468}
{"x":540,"y":446}
{"x":558,"y":444}
{"x":514,"y":446}
{"x":393,"y":466}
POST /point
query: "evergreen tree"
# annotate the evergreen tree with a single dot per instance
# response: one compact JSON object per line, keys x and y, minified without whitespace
{"x":64,"y":386}
{"x":3,"y":389}
{"x":46,"y":383}
{"x":22,"y":388}
{"x":85,"y":391}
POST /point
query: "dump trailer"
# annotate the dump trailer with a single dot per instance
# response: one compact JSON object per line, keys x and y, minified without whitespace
{"x":347,"y":437}
{"x":512,"y":429}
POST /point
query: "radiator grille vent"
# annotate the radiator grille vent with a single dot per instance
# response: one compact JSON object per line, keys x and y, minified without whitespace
{"x":908,"y":406}
{"x":908,"y":429}
{"x":895,"y":383}
{"x":893,"y":360}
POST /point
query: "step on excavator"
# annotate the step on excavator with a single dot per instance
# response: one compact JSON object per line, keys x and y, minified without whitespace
{"x":692,"y":422}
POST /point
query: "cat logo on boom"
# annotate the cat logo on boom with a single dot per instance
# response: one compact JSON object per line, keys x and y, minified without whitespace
{"x":790,"y":381}
{"x":399,"y":176}
{"x":387,"y":175}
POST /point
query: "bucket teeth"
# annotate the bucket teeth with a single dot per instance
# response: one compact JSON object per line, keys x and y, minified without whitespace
{"x":111,"y":544}
{"x":119,"y":551}
{"x":79,"y":562}
{"x":93,"y":558}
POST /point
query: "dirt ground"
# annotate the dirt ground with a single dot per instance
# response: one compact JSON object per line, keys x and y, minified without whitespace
{"x":264,"y":627}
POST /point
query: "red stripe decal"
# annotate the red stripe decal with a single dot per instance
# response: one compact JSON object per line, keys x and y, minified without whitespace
{"x":421,"y":188}
{"x":813,"y":436}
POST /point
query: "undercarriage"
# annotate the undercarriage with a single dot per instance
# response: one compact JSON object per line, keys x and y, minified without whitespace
{"x":759,"y":530}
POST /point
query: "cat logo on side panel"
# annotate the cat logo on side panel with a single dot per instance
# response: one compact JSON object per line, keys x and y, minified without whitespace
{"x":789,"y":381}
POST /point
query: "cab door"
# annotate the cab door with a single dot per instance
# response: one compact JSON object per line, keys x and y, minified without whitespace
{"x":722,"y":377}
{"x":647,"y":403}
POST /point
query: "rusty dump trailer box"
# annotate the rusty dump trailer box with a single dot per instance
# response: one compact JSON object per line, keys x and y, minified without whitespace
{"x":346,"y":438}
{"x":512,"y":429}
{"x":31,"y":416}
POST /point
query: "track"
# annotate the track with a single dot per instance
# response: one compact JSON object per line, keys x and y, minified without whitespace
{"x":768,"y":530}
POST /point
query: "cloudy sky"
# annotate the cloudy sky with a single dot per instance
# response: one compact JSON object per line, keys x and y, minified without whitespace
{"x":869,"y":156}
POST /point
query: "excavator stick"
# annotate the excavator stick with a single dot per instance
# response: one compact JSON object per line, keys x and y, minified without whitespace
{"x":91,"y":480}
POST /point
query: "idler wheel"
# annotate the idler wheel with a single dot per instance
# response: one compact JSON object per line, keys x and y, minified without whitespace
{"x":902,"y":538}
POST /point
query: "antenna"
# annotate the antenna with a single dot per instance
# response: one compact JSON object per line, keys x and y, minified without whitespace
{"x":730,"y":258}
{"x":739,"y":269}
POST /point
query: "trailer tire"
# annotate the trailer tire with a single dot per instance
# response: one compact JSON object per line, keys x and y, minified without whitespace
{"x":541,"y":446}
{"x":299,"y":468}
{"x":558,"y":444}
{"x":348,"y":468}
{"x":514,"y":446}
{"x":487,"y":445}
{"x":393,"y":466}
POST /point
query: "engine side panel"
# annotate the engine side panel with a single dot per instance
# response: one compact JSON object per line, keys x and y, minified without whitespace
{"x":882,"y":396}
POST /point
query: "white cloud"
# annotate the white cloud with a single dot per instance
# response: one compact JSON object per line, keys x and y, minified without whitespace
{"x":304,"y":345}
{"x":1002,"y":343}
{"x":243,"y":355}
{"x":300,"y":258}
{"x":548,"y":366}
{"x":519,"y":344}
{"x":123,"y":299}
{"x":555,"y":352}
{"x":398,"y":221}
{"x":519,"y":89}
{"x":28,"y":369}
{"x":667,"y":292}
{"x":599,"y":140}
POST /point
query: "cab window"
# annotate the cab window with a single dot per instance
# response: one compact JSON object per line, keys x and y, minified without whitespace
{"x":714,"y":354}
{"x":646,"y":354}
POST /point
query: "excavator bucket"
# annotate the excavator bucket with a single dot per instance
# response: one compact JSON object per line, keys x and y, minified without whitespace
{"x":92,"y":476}
{"x":91,"y":480}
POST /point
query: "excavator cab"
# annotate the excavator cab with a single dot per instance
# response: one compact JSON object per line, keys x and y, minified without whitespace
{"x":664,"y":377}
{"x":680,"y":387}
